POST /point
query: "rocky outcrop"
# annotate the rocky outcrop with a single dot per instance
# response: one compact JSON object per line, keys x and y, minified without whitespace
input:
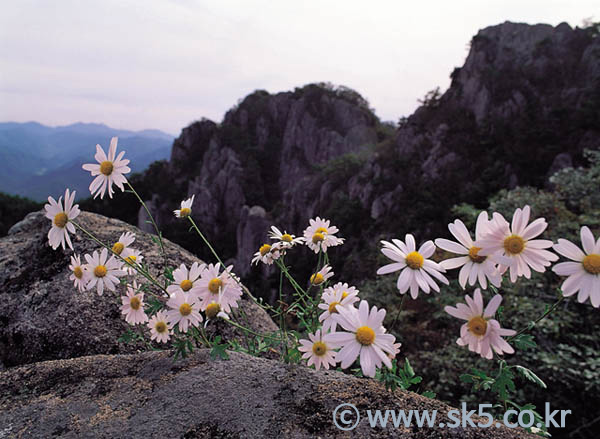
{"x":150,"y":396}
{"x":43,"y":317}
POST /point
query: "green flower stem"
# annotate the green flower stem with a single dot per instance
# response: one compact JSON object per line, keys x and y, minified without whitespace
{"x":246,"y":290}
{"x":399,"y":311}
{"x":250,"y":331}
{"x":299,"y":290}
{"x":283,"y":315}
{"x":136,"y":267}
{"x":535,"y":322}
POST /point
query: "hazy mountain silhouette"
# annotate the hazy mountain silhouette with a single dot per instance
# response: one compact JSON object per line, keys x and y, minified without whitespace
{"x":38,"y":160}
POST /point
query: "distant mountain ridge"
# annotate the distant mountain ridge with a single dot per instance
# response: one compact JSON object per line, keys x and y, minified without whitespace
{"x":40,"y":160}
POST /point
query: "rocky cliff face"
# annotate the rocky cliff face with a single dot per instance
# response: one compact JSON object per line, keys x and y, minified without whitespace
{"x":43,"y":317}
{"x":525,"y":103}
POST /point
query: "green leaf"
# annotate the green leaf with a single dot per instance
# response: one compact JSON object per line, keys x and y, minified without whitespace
{"x":524,"y":342}
{"x":408,"y":368}
{"x":527,"y":373}
{"x":428,"y":394}
{"x":503,"y":383}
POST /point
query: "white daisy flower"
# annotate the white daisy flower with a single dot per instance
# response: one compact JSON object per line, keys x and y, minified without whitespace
{"x":285,"y":239}
{"x":417,"y":270}
{"x":513,"y":246}
{"x":159,"y":327}
{"x":340,"y":295}
{"x":322,"y":275}
{"x":59,"y":232}
{"x":584,"y":273}
{"x":132,"y":256}
{"x":125,"y":240}
{"x":186,"y":208}
{"x":474,"y":266}
{"x":80,"y":275}
{"x":186,"y":280}
{"x":133,"y":305}
{"x":320,"y":235}
{"x":104,"y":272}
{"x":317,"y":351}
{"x":366,"y":337}
{"x":109,"y":170}
{"x":185,"y":311}
{"x":482,"y":334}
{"x":221,"y":288}
{"x":267,"y":254}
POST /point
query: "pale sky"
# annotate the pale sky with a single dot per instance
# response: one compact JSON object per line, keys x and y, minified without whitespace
{"x":163,"y":64}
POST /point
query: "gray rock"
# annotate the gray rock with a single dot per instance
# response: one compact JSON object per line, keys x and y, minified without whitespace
{"x":43,"y":316}
{"x":150,"y":396}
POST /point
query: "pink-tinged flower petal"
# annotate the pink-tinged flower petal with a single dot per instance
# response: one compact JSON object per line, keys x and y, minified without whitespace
{"x":451,"y":246}
{"x":492,"y":306}
{"x":567,"y":268}
{"x":410,"y":243}
{"x":587,"y":240}
{"x":461,"y":233}
{"x":569,"y":250}
{"x":450,"y":264}
{"x":390,"y":268}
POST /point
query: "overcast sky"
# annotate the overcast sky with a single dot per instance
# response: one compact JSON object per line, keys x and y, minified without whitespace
{"x":163,"y":64}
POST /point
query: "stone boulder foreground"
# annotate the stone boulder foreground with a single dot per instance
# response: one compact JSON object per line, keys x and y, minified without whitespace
{"x":149,"y":395}
{"x":44,"y":317}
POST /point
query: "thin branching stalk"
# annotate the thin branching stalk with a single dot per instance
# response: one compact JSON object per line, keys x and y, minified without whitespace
{"x":158,"y":233}
{"x":246,"y":290}
{"x":135,"y":266}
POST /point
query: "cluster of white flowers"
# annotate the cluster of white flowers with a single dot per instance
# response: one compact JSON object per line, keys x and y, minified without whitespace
{"x":201,"y":288}
{"x":362,"y":335}
{"x":348,"y":328}
{"x":498,"y":247}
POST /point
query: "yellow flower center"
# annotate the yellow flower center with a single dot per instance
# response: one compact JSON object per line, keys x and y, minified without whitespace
{"x":514,"y":245}
{"x":186,"y":285}
{"x":319,"y":348}
{"x":264,"y":249}
{"x":160,"y":327}
{"x":214,"y":285}
{"x":474,"y":256}
{"x":185,"y":309}
{"x":344,"y":295}
{"x":286,"y":237}
{"x":131,"y":259}
{"x":100,"y":271}
{"x":332,"y":307}
{"x":212,"y":310}
{"x":118,"y":247}
{"x":414,"y":260}
{"x":318,"y":237}
{"x":186,"y":211}
{"x":106,"y":167}
{"x":78,"y":272}
{"x":365,"y":335}
{"x":316,"y":279}
{"x":135,"y":303}
{"x":61,"y":219}
{"x":477,"y":325}
{"x":591,"y":263}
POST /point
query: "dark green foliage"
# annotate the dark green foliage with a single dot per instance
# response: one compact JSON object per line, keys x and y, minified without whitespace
{"x":13,"y":209}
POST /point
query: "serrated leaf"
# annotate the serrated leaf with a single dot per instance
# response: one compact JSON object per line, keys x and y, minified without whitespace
{"x":531,"y":376}
{"x":525,"y":341}
{"x":428,"y":394}
{"x":504,"y":383}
